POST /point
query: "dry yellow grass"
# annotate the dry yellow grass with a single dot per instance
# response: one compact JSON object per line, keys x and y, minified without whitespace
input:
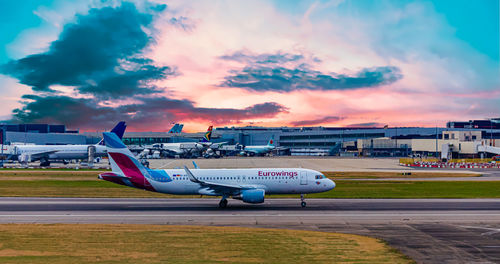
{"x":91,"y":243}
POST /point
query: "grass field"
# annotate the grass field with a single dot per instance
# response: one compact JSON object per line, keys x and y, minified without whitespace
{"x":86,"y":184}
{"x":412,"y":189}
{"x":85,"y":243}
{"x":388,"y":175}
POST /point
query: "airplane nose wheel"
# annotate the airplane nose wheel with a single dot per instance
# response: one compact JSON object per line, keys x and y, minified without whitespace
{"x":303,"y":202}
{"x":223,"y":203}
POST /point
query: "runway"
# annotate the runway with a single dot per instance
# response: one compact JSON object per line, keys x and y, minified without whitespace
{"x":428,"y":230}
{"x":285,"y":211}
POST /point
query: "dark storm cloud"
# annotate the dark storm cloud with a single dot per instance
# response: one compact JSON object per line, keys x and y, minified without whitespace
{"x":63,"y":110}
{"x":266,"y":58}
{"x":128,"y":83}
{"x":92,"y":49}
{"x":281,"y":79}
{"x":100,"y":56}
{"x":323,"y":120}
{"x":87,"y":113}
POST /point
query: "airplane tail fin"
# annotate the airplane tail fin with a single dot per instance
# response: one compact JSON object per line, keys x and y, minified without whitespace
{"x":173,"y":129}
{"x":177,"y":128}
{"x":126,"y":169}
{"x":271,"y":141}
{"x":208,"y":135}
{"x":119,"y":130}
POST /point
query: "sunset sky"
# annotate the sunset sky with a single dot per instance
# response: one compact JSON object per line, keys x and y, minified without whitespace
{"x":89,"y":64}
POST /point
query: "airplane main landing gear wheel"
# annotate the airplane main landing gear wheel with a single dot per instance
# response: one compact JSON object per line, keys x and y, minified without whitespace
{"x":303,"y":202}
{"x":223,"y":203}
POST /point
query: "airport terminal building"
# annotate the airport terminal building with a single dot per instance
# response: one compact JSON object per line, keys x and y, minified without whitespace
{"x":317,"y":141}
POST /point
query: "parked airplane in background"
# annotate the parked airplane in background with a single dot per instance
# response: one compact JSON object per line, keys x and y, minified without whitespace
{"x":248,"y":185}
{"x":177,"y":128}
{"x":259,"y":150}
{"x":184,"y":149}
{"x":47,"y":153}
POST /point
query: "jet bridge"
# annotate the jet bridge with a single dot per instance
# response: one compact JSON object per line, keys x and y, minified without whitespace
{"x":489,"y":149}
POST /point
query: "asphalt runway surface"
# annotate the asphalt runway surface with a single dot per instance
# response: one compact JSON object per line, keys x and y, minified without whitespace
{"x":427,"y":230}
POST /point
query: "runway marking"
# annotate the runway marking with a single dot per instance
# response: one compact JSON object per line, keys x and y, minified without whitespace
{"x":489,"y":233}
{"x":242,"y":215}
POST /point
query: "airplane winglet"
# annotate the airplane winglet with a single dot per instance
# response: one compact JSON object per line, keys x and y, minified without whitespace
{"x":195,"y":165}
{"x":191,"y":176}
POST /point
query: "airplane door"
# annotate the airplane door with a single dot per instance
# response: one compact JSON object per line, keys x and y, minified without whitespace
{"x":303,"y":177}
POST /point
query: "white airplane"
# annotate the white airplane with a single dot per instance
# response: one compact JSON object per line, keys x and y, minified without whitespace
{"x":47,"y":153}
{"x":185,"y":149}
{"x":259,"y":150}
{"x":248,"y":185}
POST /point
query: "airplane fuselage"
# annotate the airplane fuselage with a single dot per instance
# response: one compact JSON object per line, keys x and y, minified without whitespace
{"x":258,"y":150}
{"x":59,"y":152}
{"x":272,"y":181}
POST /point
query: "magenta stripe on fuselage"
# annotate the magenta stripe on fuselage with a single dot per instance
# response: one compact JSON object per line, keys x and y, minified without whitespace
{"x":130,"y":170}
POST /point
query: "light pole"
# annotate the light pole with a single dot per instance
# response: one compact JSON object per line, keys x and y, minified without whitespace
{"x":2,"y":139}
{"x":396,"y":139}
{"x":491,"y":132}
{"x":437,"y":142}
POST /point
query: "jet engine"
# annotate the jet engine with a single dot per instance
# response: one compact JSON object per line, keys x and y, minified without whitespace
{"x":24,"y":158}
{"x":252,"y":196}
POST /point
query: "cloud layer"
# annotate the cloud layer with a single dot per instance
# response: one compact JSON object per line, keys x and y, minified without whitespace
{"x":99,"y":57}
{"x":318,"y":121}
{"x":264,"y":63}
{"x":281,"y":79}
{"x":85,"y":112}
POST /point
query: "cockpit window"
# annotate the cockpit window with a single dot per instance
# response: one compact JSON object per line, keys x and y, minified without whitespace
{"x":318,"y":177}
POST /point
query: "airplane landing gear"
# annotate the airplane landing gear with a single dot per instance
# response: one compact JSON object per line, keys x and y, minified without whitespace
{"x":303,"y":202}
{"x":223,"y":203}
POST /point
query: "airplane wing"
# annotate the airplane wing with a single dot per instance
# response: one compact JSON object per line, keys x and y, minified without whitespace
{"x":216,"y":187}
{"x":281,"y":148}
{"x":218,"y":145}
{"x":42,"y":154}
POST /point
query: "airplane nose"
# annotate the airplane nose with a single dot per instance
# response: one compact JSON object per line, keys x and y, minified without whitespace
{"x":331,"y":184}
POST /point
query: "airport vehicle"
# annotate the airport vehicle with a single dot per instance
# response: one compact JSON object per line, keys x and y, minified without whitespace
{"x":259,"y":150}
{"x":183,"y":149}
{"x":248,"y":185}
{"x":47,"y":153}
{"x":177,"y":128}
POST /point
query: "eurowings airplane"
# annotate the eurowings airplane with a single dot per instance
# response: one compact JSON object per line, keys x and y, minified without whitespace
{"x":47,"y":153}
{"x":248,"y":185}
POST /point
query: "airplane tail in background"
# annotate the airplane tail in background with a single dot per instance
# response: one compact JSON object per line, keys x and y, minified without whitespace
{"x":271,"y":141}
{"x":126,"y":169}
{"x":177,"y":128}
{"x":208,"y":135}
{"x":119,"y":130}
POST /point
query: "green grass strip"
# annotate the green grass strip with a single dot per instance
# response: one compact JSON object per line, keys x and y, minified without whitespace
{"x":344,"y":189}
